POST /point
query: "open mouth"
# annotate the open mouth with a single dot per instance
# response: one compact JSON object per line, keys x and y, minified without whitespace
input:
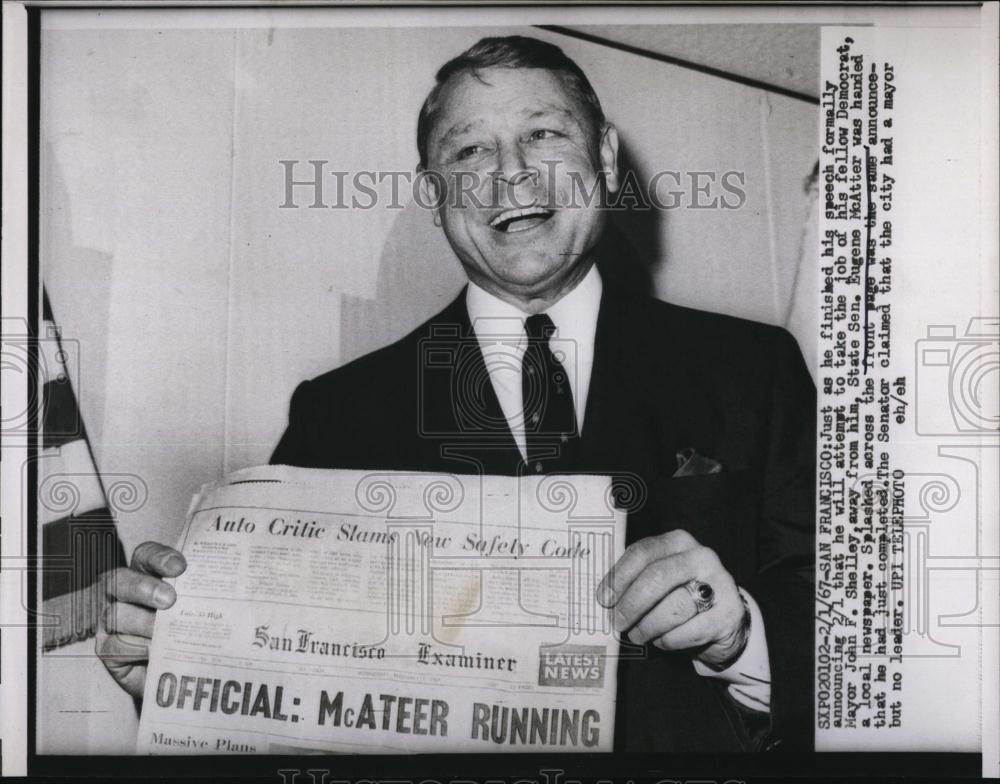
{"x":511,"y":221}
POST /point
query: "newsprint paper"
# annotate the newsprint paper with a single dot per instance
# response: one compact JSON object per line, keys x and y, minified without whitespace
{"x":344,"y":611}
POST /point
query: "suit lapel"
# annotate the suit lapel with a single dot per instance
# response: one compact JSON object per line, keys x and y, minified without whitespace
{"x":620,"y":412}
{"x":467,"y":422}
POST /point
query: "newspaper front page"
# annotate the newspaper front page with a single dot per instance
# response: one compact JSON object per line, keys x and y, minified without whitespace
{"x":344,"y":611}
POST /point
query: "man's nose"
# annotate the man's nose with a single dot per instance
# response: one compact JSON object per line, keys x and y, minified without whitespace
{"x":513,"y":166}
{"x":516,"y":183}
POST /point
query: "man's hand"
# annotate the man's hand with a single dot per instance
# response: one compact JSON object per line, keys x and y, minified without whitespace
{"x":135,"y":594}
{"x":648,"y":589}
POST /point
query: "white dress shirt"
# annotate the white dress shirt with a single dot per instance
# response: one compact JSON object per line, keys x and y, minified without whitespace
{"x":500,"y":331}
{"x":499,"y":328}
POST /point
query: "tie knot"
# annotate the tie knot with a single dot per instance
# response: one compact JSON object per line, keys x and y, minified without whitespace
{"x":539,"y":326}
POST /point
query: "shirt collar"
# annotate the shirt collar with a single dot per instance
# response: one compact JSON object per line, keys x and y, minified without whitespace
{"x":575,"y":315}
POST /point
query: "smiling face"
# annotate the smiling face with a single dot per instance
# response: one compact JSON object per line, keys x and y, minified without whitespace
{"x":517,"y":155}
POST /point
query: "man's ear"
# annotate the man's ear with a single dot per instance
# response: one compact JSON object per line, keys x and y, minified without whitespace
{"x":430,"y":193}
{"x":608,"y":151}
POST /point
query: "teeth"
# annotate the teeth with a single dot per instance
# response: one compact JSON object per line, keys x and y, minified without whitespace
{"x":508,"y":215}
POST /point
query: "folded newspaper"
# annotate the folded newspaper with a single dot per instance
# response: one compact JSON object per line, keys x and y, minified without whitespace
{"x":357,"y":612}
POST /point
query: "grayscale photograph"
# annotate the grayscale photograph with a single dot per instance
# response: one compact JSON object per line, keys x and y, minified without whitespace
{"x":582,"y":388}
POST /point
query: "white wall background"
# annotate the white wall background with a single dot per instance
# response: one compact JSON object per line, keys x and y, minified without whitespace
{"x":199,"y":304}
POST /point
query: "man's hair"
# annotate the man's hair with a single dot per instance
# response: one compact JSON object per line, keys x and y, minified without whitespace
{"x":513,"y":51}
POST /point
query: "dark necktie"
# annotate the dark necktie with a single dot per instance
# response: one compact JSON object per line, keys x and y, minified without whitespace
{"x":549,"y":415}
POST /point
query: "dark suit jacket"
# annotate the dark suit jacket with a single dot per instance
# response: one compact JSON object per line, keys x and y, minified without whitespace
{"x":664,"y":379}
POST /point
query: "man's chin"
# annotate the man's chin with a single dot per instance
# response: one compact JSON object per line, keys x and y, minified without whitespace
{"x":533,"y":276}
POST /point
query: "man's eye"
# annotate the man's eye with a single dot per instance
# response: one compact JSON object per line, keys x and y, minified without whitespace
{"x":542,"y":134}
{"x":469,"y":151}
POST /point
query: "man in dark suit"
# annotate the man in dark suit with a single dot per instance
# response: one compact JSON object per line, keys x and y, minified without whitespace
{"x":541,"y":365}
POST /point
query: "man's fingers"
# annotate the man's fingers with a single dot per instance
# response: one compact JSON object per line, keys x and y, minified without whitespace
{"x":701,"y":630}
{"x":673,"y":610}
{"x":158,"y":559}
{"x":135,"y":593}
{"x":125,"y":658}
{"x":657,"y":581}
{"x":636,"y":558}
{"x":124,"y":618}
{"x":128,"y":585}
{"x":720,"y":622}
{"x":123,"y":649}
